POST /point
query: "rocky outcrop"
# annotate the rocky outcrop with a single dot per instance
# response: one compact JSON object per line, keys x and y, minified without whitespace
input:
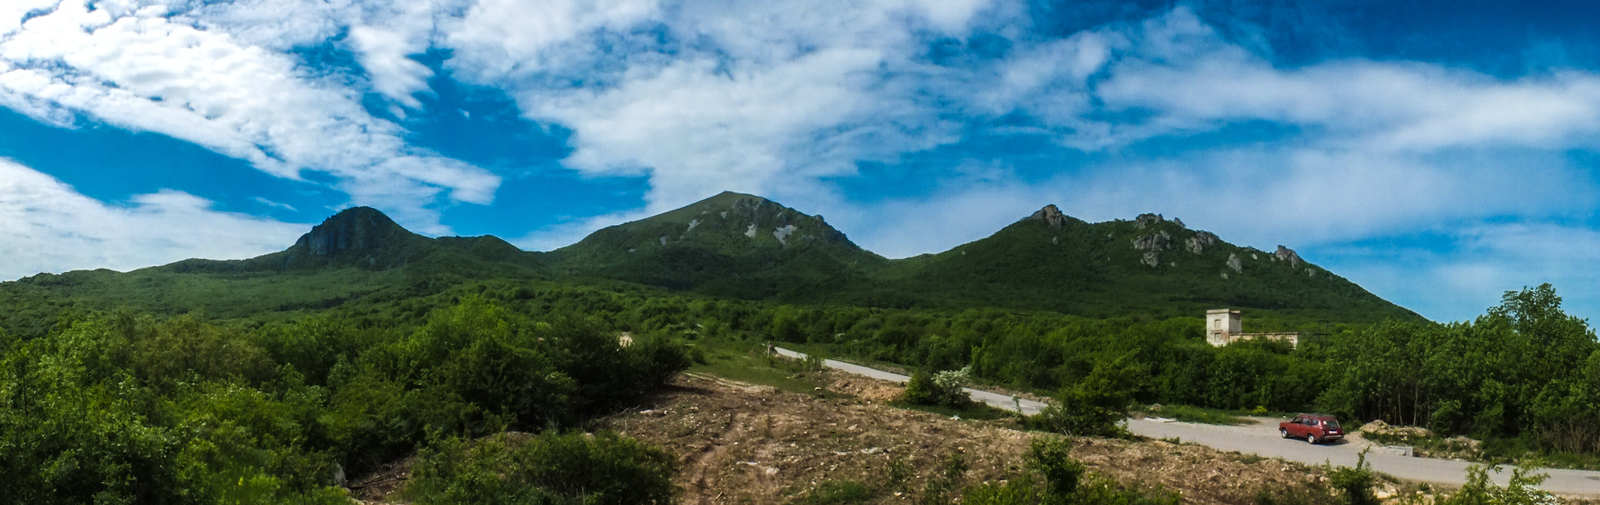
{"x":1179,"y":222}
{"x":1151,"y":258}
{"x":1200,"y":241}
{"x":1234,"y":263}
{"x":1146,"y":220}
{"x":1153,"y":242}
{"x":1287,"y":254}
{"x":1050,"y":215}
{"x":1152,"y":245}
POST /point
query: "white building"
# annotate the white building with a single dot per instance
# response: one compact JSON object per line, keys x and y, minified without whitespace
{"x":1225,"y":326}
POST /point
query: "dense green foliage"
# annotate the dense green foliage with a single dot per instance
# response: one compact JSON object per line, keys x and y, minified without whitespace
{"x":125,"y":409}
{"x":1525,"y":375}
{"x":1521,"y":489}
{"x":548,"y":469}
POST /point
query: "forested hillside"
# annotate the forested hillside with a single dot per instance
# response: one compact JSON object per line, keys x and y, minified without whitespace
{"x":265,"y":380}
{"x":740,"y":247}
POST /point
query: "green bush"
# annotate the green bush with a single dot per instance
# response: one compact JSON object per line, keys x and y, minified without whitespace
{"x":1096,"y":405}
{"x":943,"y":388}
{"x":572,"y":468}
{"x":1065,"y":481}
{"x":1354,"y":484}
{"x":1522,"y":489}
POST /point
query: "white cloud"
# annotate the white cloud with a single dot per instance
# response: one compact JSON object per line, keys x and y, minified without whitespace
{"x":49,"y":227}
{"x":146,"y":72}
{"x":500,"y":38}
{"x":1193,"y":80}
{"x":385,"y":54}
{"x":748,"y":97}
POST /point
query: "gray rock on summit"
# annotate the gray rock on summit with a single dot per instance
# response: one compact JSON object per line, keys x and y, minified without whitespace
{"x":1288,"y":254}
{"x":1050,"y":215}
{"x":1146,"y":220}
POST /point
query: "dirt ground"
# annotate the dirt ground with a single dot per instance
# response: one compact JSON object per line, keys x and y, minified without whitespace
{"x":751,"y":444}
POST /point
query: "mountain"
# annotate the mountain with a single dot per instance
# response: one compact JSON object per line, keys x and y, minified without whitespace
{"x":1150,"y":265}
{"x":732,"y":245}
{"x":735,"y":246}
{"x":357,"y":255}
{"x":365,"y":238}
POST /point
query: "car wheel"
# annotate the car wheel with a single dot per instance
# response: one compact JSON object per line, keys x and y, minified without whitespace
{"x":1283,"y":432}
{"x":1312,"y":439}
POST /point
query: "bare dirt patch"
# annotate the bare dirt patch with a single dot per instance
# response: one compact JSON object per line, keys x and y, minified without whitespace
{"x":751,"y":444}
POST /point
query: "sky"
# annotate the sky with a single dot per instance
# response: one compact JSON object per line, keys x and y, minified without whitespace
{"x":1438,"y":153}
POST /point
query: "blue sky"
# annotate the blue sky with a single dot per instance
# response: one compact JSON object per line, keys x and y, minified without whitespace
{"x":1438,"y":153}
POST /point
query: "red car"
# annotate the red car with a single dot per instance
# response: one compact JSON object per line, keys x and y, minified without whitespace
{"x":1312,"y":428}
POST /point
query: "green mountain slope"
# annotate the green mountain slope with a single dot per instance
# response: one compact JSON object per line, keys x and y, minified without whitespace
{"x":731,"y":245}
{"x":735,"y":246}
{"x":1151,"y":265}
{"x":357,"y":254}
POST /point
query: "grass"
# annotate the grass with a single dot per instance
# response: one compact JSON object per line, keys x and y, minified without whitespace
{"x":975,"y":411}
{"x":748,"y":362}
{"x":1200,"y":415}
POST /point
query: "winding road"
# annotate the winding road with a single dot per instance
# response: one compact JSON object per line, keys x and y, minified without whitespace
{"x":1262,"y":439}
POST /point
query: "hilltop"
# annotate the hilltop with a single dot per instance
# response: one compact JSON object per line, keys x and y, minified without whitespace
{"x":744,"y":247}
{"x":730,"y":245}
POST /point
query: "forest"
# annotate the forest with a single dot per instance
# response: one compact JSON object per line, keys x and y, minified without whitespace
{"x":124,"y":407}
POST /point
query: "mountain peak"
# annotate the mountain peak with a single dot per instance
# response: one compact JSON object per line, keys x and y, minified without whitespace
{"x":1051,"y":215}
{"x":352,"y":231}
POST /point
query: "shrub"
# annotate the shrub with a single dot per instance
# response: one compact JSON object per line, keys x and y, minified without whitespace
{"x":1096,"y":405}
{"x":1520,"y":490}
{"x":1354,"y":483}
{"x":1066,"y":481}
{"x":943,"y":388}
{"x":572,"y":468}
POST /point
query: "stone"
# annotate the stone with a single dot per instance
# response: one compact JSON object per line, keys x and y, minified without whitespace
{"x":1146,"y":220}
{"x":1287,"y":254}
{"x":1200,"y":241}
{"x":1234,"y":263}
{"x":1153,"y":242}
{"x":1151,"y":258}
{"x":1050,"y":215}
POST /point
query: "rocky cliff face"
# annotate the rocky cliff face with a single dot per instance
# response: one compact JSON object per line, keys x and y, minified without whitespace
{"x":352,"y":231}
{"x":358,"y":236}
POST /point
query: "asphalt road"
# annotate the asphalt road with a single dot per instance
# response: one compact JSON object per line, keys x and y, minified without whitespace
{"x":1263,"y":439}
{"x":1028,"y":407}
